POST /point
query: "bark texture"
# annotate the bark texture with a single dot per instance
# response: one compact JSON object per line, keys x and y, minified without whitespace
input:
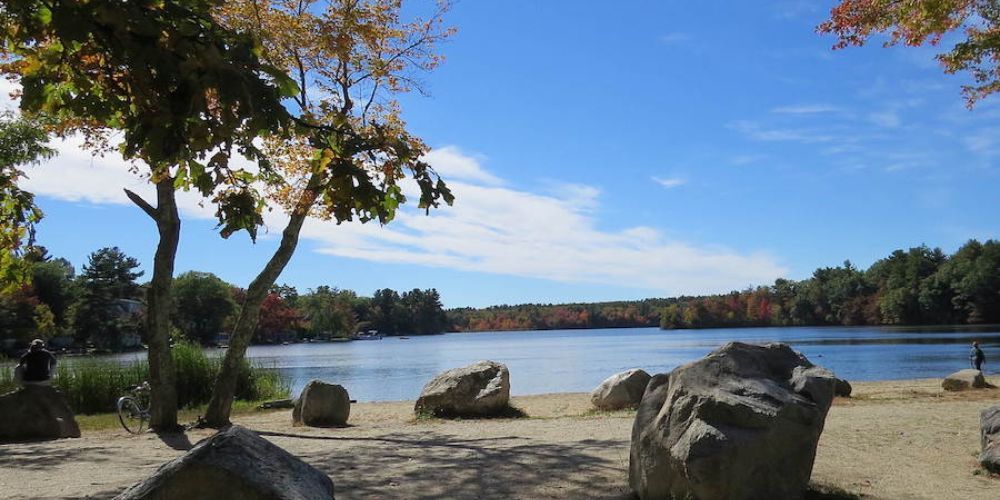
{"x":162,"y":374}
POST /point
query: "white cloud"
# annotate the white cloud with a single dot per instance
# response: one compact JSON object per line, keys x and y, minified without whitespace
{"x":669,"y":182}
{"x":76,"y":175}
{"x":492,"y":228}
{"x":451,"y":163}
{"x":6,"y":103}
{"x":500,"y":230}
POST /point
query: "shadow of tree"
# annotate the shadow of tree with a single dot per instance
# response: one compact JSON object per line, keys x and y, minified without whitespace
{"x":175,"y":440}
{"x":45,"y":455}
{"x":430,"y":465}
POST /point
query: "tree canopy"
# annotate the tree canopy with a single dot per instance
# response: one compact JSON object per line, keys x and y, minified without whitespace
{"x":202,"y":304}
{"x":352,"y":58}
{"x":22,"y":142}
{"x":919,"y":22}
{"x":108,"y":278}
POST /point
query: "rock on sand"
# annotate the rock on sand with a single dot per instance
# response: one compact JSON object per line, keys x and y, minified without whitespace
{"x":36,"y":412}
{"x":742,"y":423}
{"x":480,"y":389}
{"x":964,"y":380}
{"x":235,"y":464}
{"x":621,"y":390}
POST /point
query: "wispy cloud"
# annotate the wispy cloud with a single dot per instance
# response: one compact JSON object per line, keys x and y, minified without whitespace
{"x":805,"y":109}
{"x":789,"y":9}
{"x":888,"y":118}
{"x":740,"y":160}
{"x":673,"y":38}
{"x":759,"y":132}
{"x":984,"y":141}
{"x":669,"y":182}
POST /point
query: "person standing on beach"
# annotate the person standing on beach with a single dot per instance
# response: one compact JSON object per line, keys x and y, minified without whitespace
{"x":976,"y":356}
{"x":37,"y":365}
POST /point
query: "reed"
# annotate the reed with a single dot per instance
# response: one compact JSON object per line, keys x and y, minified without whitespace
{"x":93,"y":386}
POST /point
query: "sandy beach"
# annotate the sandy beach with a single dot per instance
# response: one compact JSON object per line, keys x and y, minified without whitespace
{"x":902,"y":439}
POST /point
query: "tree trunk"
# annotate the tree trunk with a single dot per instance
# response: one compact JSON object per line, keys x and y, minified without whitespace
{"x":221,"y":404}
{"x":162,"y":373}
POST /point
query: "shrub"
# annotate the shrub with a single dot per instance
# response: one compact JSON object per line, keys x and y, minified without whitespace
{"x":93,"y":385}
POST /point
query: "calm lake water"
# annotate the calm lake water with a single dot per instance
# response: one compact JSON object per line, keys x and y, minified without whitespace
{"x":578,"y":360}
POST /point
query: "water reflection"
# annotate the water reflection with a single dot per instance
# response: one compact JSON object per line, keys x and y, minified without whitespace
{"x":577,"y":360}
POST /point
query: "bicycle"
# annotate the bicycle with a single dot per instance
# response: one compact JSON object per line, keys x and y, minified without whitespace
{"x":133,"y":410}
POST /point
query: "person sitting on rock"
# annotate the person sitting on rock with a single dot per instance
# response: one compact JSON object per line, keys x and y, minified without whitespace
{"x":976,"y":356}
{"x":37,"y":365}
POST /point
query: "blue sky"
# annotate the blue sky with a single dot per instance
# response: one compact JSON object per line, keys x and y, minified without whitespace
{"x":604,"y":151}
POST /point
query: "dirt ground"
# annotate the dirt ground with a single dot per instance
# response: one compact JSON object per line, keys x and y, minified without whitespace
{"x":892,"y":440}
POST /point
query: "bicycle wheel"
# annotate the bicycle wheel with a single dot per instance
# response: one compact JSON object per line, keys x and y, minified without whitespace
{"x":130,"y":414}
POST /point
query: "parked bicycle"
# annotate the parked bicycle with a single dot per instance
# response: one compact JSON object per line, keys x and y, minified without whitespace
{"x":133,"y":409}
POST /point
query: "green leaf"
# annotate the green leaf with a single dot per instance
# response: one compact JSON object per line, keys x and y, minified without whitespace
{"x":44,"y":15}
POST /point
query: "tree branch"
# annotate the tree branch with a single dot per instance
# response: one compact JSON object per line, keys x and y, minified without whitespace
{"x":143,"y":204}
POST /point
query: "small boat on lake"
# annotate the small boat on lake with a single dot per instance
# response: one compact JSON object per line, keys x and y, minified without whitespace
{"x":369,"y":335}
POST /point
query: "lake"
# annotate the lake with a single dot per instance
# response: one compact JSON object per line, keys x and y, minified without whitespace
{"x":578,"y":360}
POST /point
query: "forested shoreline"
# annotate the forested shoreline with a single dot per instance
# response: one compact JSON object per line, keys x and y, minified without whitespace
{"x":102,"y":307}
{"x":919,"y":286}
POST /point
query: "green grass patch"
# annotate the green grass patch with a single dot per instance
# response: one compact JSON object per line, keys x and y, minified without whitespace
{"x":93,"y":386}
{"x":109,"y":421}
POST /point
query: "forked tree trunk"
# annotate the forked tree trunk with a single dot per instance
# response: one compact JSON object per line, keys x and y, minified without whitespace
{"x":162,"y":373}
{"x":221,"y":404}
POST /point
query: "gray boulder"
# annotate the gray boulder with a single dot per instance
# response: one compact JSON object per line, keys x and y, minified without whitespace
{"x":235,"y":464}
{"x":36,"y":412}
{"x":843,"y":388}
{"x":480,"y":389}
{"x":322,"y":404}
{"x":741,"y":423}
{"x":989,"y":429}
{"x":621,"y":390}
{"x":964,"y":380}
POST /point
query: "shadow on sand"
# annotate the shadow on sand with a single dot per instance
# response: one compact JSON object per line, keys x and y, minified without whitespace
{"x":426,"y":465}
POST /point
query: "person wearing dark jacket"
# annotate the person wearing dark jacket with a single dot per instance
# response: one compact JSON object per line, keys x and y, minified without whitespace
{"x":37,"y":365}
{"x":976,"y":356}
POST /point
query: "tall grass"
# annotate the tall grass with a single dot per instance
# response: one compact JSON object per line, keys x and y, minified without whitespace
{"x":93,"y":386}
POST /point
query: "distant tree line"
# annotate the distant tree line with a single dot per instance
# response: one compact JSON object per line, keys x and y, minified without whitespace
{"x":620,"y":314}
{"x":913,"y":287}
{"x":103,"y":307}
{"x":917,"y":286}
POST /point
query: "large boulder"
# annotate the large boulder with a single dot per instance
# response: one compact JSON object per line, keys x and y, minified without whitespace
{"x":36,"y":412}
{"x":964,"y":380}
{"x":322,"y":404}
{"x":621,"y":390}
{"x":480,"y":389}
{"x":989,"y":429}
{"x":741,"y":423}
{"x":234,"y":464}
